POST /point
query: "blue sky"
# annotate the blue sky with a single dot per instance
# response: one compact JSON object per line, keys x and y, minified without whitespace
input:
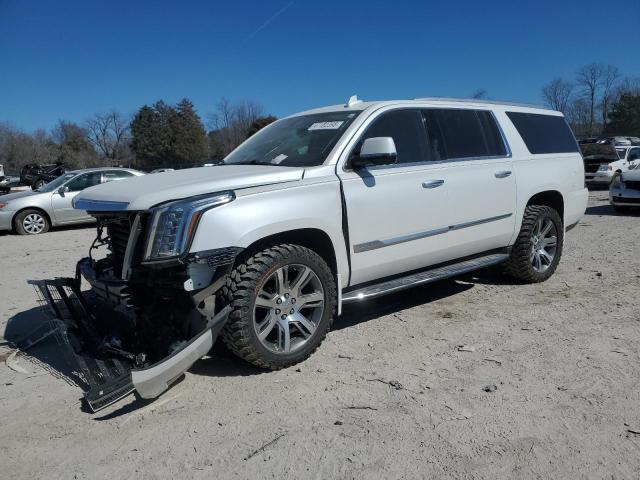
{"x":70,"y":59}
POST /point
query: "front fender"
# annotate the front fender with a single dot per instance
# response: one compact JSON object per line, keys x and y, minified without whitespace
{"x":258,"y":214}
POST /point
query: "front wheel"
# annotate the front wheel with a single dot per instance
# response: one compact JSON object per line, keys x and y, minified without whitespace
{"x":538,"y":248}
{"x":283,"y":303}
{"x":31,"y":222}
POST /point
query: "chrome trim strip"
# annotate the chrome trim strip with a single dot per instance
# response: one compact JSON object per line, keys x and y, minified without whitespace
{"x":99,"y":205}
{"x":375,"y":244}
{"x":473,"y":223}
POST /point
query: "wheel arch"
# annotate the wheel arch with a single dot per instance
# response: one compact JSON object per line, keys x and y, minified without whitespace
{"x":312,"y":238}
{"x":18,"y":212}
{"x":550,"y":198}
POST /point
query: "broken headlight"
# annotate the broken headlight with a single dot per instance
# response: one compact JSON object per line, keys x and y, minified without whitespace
{"x":174,"y":224}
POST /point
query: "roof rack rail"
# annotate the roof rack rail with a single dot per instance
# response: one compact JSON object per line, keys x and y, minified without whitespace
{"x":480,"y":100}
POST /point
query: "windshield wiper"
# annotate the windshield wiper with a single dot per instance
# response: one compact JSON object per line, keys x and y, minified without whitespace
{"x":250,"y":162}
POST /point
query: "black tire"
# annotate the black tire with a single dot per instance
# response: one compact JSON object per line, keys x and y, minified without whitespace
{"x":519,"y":265}
{"x":21,"y":227}
{"x":38,"y":184}
{"x":241,"y":290}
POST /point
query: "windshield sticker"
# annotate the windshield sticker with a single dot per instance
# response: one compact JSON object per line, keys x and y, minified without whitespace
{"x":325,"y":126}
{"x":279,"y":159}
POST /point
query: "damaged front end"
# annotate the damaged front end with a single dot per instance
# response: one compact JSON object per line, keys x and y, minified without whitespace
{"x":143,"y":322}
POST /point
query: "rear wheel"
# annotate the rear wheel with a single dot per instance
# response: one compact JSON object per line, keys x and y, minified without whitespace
{"x":283,"y":302}
{"x":538,"y":248}
{"x":31,"y":222}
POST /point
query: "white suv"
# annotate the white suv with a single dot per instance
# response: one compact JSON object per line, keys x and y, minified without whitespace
{"x":335,"y":205}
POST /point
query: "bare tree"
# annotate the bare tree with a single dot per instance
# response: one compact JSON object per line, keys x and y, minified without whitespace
{"x":589,"y":78}
{"x":230,"y":125}
{"x":479,"y":94}
{"x":610,"y":77}
{"x":578,"y":116}
{"x":557,"y":93}
{"x":109,"y":134}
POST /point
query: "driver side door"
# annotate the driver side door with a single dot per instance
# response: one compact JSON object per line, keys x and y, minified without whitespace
{"x":63,"y":211}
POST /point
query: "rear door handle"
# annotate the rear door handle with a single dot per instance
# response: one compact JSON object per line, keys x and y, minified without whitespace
{"x":503,"y":174}
{"x":432,"y":183}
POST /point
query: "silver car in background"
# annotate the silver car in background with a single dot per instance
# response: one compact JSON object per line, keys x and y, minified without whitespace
{"x":34,"y":212}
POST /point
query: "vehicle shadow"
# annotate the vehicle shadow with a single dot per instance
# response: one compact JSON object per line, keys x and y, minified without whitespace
{"x":25,"y":329}
{"x":221,"y":362}
{"x":609,"y":211}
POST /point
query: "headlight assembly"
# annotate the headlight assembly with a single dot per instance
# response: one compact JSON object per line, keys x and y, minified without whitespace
{"x":174,"y":224}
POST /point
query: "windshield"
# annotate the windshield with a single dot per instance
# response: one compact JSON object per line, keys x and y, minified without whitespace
{"x":301,"y":141}
{"x":57,"y":183}
{"x":621,"y":152}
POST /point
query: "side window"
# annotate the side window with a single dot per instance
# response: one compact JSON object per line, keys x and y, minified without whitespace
{"x":634,"y":154}
{"x":544,"y":133}
{"x":492,"y":135}
{"x":85,"y":181}
{"x":407,"y":130}
{"x":111,"y":175}
{"x":462,"y":134}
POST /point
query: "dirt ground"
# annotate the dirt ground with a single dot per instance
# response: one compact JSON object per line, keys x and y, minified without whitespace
{"x":388,"y":395}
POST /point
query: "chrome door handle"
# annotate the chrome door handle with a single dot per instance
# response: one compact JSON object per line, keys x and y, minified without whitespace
{"x":503,"y":174}
{"x":432,"y":183}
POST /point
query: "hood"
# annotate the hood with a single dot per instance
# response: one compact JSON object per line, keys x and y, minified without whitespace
{"x":142,"y":193}
{"x":17,"y":195}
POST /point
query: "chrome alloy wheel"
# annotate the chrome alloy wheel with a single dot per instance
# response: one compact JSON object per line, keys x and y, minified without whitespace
{"x":288,"y":308}
{"x":33,"y":223}
{"x":544,"y":242}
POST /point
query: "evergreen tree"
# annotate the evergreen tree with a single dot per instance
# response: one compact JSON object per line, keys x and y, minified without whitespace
{"x":259,"y":123}
{"x":624,"y":118}
{"x":189,"y":139}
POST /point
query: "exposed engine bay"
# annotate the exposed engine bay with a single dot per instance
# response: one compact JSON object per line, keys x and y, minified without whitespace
{"x":141,"y":325}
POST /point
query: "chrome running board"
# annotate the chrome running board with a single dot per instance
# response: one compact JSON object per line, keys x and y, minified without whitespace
{"x":425,"y":276}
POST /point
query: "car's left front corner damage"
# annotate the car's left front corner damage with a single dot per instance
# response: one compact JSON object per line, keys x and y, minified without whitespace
{"x":142,"y":323}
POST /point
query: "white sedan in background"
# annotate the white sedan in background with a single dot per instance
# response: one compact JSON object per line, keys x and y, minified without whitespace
{"x":34,"y":212}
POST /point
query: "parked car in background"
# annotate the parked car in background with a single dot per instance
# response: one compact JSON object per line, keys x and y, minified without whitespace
{"x":340,"y":204}
{"x":4,"y":182}
{"x":34,"y":212}
{"x":36,"y":176}
{"x":624,"y":192}
{"x":602,"y":161}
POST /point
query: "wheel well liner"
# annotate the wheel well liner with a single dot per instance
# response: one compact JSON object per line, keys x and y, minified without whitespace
{"x":551,"y":198}
{"x":312,"y":238}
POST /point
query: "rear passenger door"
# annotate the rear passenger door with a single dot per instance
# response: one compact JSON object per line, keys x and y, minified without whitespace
{"x":481,"y":188}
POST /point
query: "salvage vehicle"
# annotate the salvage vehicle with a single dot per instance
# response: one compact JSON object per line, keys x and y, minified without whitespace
{"x":326,"y":207}
{"x":36,"y":176}
{"x":603,"y":161}
{"x":35,"y":212}
{"x":624,"y":193}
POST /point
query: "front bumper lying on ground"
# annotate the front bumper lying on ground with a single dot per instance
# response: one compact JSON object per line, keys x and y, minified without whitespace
{"x":107,"y":372}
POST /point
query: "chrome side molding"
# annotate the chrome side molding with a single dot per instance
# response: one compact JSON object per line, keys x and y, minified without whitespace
{"x":375,"y":244}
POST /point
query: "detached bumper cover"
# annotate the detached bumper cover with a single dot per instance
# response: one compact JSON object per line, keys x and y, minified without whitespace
{"x":105,"y":377}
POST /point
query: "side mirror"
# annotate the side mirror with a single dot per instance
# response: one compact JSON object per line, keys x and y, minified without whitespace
{"x":375,"y":151}
{"x":63,"y":190}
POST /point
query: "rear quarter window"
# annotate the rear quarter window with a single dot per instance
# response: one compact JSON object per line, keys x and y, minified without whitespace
{"x":544,"y":133}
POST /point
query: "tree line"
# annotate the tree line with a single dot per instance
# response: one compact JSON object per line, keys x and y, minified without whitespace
{"x":160,"y":135}
{"x":599,"y":100}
